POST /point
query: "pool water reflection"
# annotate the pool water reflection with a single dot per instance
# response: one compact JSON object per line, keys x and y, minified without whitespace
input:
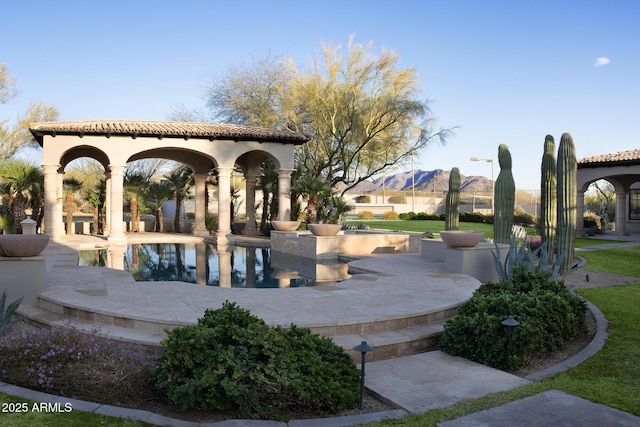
{"x":234,"y":266}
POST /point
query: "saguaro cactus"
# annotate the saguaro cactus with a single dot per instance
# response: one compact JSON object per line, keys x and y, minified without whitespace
{"x":505,"y":198}
{"x":452,"y":202}
{"x":548,"y":194}
{"x":567,"y":199}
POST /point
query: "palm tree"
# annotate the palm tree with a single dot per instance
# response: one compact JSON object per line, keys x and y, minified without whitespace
{"x":156,"y":194}
{"x":70,"y":186}
{"x":268,"y":184}
{"x":134,"y":185}
{"x":96,"y":198}
{"x":317,"y":191}
{"x":20,"y":179}
{"x":180,"y":181}
{"x":335,"y":208}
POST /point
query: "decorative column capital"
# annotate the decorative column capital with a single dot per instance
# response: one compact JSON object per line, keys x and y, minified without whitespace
{"x":285,"y":172}
{"x":224,"y":170}
{"x":51,"y":168}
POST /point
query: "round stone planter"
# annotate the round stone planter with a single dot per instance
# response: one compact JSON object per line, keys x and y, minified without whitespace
{"x":285,"y":225}
{"x":324,"y":229}
{"x":461,"y":239}
{"x":22,"y":245}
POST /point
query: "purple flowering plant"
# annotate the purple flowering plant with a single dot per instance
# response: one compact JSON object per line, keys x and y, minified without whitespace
{"x":76,"y":363}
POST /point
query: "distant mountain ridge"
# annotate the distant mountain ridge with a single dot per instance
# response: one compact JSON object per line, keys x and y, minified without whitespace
{"x":424,"y":181}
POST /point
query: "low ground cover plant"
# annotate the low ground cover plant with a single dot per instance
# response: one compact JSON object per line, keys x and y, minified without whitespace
{"x":233,"y":361}
{"x":74,"y":363}
{"x":549,"y":315}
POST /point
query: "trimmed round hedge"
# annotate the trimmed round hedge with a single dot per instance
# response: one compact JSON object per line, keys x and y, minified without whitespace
{"x":549,"y":316}
{"x":233,"y":360}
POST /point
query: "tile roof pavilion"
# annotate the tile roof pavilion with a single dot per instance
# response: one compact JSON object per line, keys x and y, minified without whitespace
{"x":629,"y":157}
{"x":201,"y":146}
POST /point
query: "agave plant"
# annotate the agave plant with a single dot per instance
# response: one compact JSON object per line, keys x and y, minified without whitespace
{"x":5,"y":315}
{"x":521,"y":255}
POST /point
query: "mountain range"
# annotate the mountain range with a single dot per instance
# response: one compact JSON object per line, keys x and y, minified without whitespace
{"x":435,"y":180}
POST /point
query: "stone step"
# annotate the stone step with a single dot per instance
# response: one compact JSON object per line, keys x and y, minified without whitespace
{"x":391,"y":337}
{"x":42,"y":316}
{"x":390,"y":344}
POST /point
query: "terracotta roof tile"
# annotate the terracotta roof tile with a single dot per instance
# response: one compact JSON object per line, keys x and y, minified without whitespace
{"x":165,"y":129}
{"x":629,"y":157}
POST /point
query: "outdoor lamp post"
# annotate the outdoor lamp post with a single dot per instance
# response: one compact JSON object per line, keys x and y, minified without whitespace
{"x":477,"y":159}
{"x":363,"y":348}
{"x":510,"y":323}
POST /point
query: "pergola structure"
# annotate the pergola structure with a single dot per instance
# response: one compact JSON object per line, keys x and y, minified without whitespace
{"x":201,"y":146}
{"x":622,"y":170}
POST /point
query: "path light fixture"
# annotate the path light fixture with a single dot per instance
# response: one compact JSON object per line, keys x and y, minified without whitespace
{"x":363,"y":348}
{"x":510,"y":323}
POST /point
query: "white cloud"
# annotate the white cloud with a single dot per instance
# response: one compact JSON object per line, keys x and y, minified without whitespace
{"x":601,"y":62}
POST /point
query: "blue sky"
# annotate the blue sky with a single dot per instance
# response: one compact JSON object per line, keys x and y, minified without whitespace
{"x":501,"y":71}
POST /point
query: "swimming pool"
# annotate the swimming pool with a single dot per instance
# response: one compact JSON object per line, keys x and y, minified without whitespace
{"x":201,"y":263}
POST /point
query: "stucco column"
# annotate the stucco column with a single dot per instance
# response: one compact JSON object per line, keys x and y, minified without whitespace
{"x":580,"y":214}
{"x":116,"y":232}
{"x":621,"y":213}
{"x":224,"y":202}
{"x":199,"y":227}
{"x":59,"y":199}
{"x":284,"y":194}
{"x":52,"y":226}
{"x":224,"y":266}
{"x":251,"y":228}
{"x":107,"y":205}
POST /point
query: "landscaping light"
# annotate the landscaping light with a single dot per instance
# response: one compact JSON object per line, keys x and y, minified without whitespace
{"x":363,"y":348}
{"x":510,"y":323}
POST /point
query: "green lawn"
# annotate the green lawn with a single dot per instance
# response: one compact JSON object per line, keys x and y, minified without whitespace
{"x":18,"y":412}
{"x":581,"y":242}
{"x":615,"y":260}
{"x":421,"y":226}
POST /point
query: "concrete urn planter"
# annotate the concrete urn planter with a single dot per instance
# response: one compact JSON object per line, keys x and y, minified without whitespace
{"x":285,"y":225}
{"x":324,"y":229}
{"x":22,"y":245}
{"x":461,"y":239}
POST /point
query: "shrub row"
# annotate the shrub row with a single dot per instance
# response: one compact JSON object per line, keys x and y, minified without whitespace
{"x":549,"y":316}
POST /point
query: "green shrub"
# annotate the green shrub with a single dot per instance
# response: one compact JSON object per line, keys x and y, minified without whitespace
{"x":390,"y":216}
{"x":365,"y":215}
{"x":408,"y":216}
{"x":548,"y":313}
{"x":232,"y":360}
{"x":363,"y":199}
{"x":523,"y":218}
{"x":472,"y":217}
{"x":397,"y":199}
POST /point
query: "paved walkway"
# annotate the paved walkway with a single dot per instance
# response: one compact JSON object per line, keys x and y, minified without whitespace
{"x":419,"y":383}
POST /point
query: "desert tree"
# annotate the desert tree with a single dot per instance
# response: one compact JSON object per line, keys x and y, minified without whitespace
{"x":362,"y":111}
{"x":15,"y":137}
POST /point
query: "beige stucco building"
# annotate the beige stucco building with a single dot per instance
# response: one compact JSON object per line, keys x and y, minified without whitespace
{"x":201,"y":146}
{"x":622,"y":170}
